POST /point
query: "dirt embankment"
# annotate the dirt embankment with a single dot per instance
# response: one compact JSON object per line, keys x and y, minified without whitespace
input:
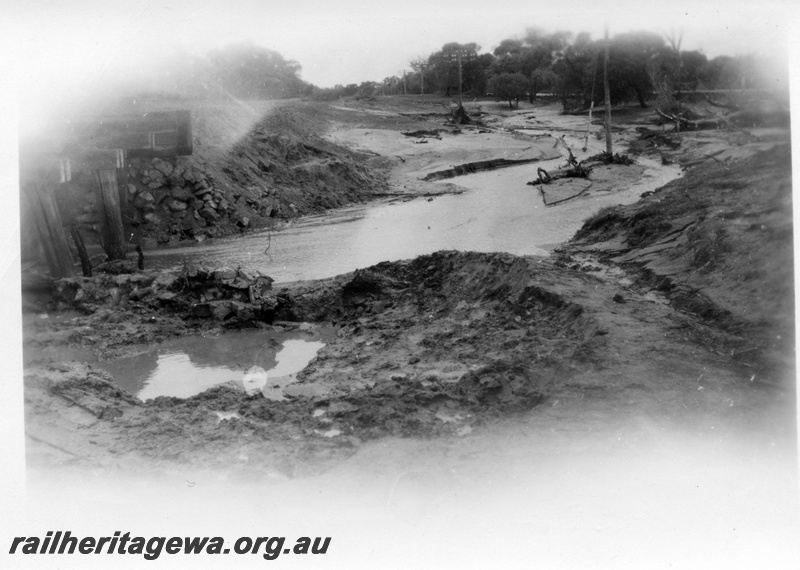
{"x":718,"y":243}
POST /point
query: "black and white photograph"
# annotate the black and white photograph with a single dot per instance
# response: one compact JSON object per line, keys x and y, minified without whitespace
{"x":444,"y":285}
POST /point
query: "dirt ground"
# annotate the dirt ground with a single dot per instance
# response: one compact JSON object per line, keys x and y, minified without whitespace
{"x":659,"y":341}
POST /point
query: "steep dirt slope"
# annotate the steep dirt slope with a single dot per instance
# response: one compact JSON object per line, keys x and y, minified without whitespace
{"x":719,"y":244}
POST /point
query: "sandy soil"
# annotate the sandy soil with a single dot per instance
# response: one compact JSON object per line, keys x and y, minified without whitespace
{"x":581,"y":399}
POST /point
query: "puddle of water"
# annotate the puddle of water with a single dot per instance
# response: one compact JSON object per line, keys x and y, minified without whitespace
{"x":498,"y":213}
{"x":291,"y":359}
{"x":255,"y":360}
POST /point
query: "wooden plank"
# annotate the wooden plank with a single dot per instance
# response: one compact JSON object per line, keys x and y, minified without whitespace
{"x":185,"y":144}
{"x":112,"y":230}
{"x":125,"y":205}
{"x":86,"y":264}
{"x":51,"y":233}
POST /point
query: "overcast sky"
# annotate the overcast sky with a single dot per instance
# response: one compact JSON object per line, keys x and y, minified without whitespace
{"x":351,"y":41}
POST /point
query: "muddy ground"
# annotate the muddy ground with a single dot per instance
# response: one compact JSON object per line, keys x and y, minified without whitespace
{"x":673,"y":315}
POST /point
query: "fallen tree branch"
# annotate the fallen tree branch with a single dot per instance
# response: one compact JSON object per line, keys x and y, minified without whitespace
{"x":675,"y":119}
{"x":702,"y":124}
{"x":731,"y":124}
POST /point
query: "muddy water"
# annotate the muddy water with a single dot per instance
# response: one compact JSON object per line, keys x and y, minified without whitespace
{"x":256,"y":360}
{"x":498,"y":212}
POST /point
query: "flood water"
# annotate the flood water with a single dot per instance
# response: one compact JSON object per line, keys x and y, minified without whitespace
{"x":498,"y":212}
{"x":256,"y":360}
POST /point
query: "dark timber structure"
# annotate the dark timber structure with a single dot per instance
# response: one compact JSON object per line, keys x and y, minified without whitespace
{"x":113,"y":140}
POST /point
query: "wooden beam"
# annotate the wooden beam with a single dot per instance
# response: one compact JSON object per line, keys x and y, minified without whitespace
{"x":113,"y":232}
{"x":86,"y":264}
{"x":51,"y":233}
{"x":136,"y":133}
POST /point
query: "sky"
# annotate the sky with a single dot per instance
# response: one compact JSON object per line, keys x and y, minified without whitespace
{"x":353,"y":41}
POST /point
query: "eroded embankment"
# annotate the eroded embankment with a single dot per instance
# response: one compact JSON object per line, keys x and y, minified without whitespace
{"x":718,"y":243}
{"x":477,"y":166}
{"x":431,"y":346}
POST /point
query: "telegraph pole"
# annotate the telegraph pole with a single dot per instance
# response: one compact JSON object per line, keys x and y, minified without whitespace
{"x":607,"y":96}
{"x":460,"y":103}
{"x":459,"y":53}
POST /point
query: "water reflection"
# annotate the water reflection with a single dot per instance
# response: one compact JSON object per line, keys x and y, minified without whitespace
{"x":292,"y":358}
{"x":256,"y":360}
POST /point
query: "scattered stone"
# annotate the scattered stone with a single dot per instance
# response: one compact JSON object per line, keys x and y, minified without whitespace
{"x":162,"y":166}
{"x":143,"y":199}
{"x":164,"y":281}
{"x":182,"y":193}
{"x":209,"y":213}
{"x":224,"y":274}
{"x":177,"y":205}
{"x":201,"y":311}
{"x":138,"y":294}
{"x":618,"y":298}
{"x":116,"y":266}
{"x":167,"y":296}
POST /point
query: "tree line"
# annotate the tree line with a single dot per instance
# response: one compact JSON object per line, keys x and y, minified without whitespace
{"x":558,"y":64}
{"x":641,"y":64}
{"x":242,"y":71}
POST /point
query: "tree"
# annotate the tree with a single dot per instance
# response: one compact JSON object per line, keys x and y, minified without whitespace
{"x":540,"y":53}
{"x":575,"y":70}
{"x":629,"y":57}
{"x":541,"y":78}
{"x":509,"y":86}
{"x":445,"y":70}
{"x":248,"y":71}
{"x":508,"y":47}
{"x":693,"y":64}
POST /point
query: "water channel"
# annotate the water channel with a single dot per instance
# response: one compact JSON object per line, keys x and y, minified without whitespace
{"x":497,"y":212}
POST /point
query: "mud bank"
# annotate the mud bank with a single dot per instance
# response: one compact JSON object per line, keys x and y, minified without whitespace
{"x":405,"y":363}
{"x":440,"y":345}
{"x":718,"y":245}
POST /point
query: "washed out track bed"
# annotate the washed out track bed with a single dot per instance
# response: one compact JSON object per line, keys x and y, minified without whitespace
{"x":429,"y":347}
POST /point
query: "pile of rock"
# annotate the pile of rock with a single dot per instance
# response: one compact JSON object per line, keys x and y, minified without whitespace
{"x":236,"y":296}
{"x":174,"y":191}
